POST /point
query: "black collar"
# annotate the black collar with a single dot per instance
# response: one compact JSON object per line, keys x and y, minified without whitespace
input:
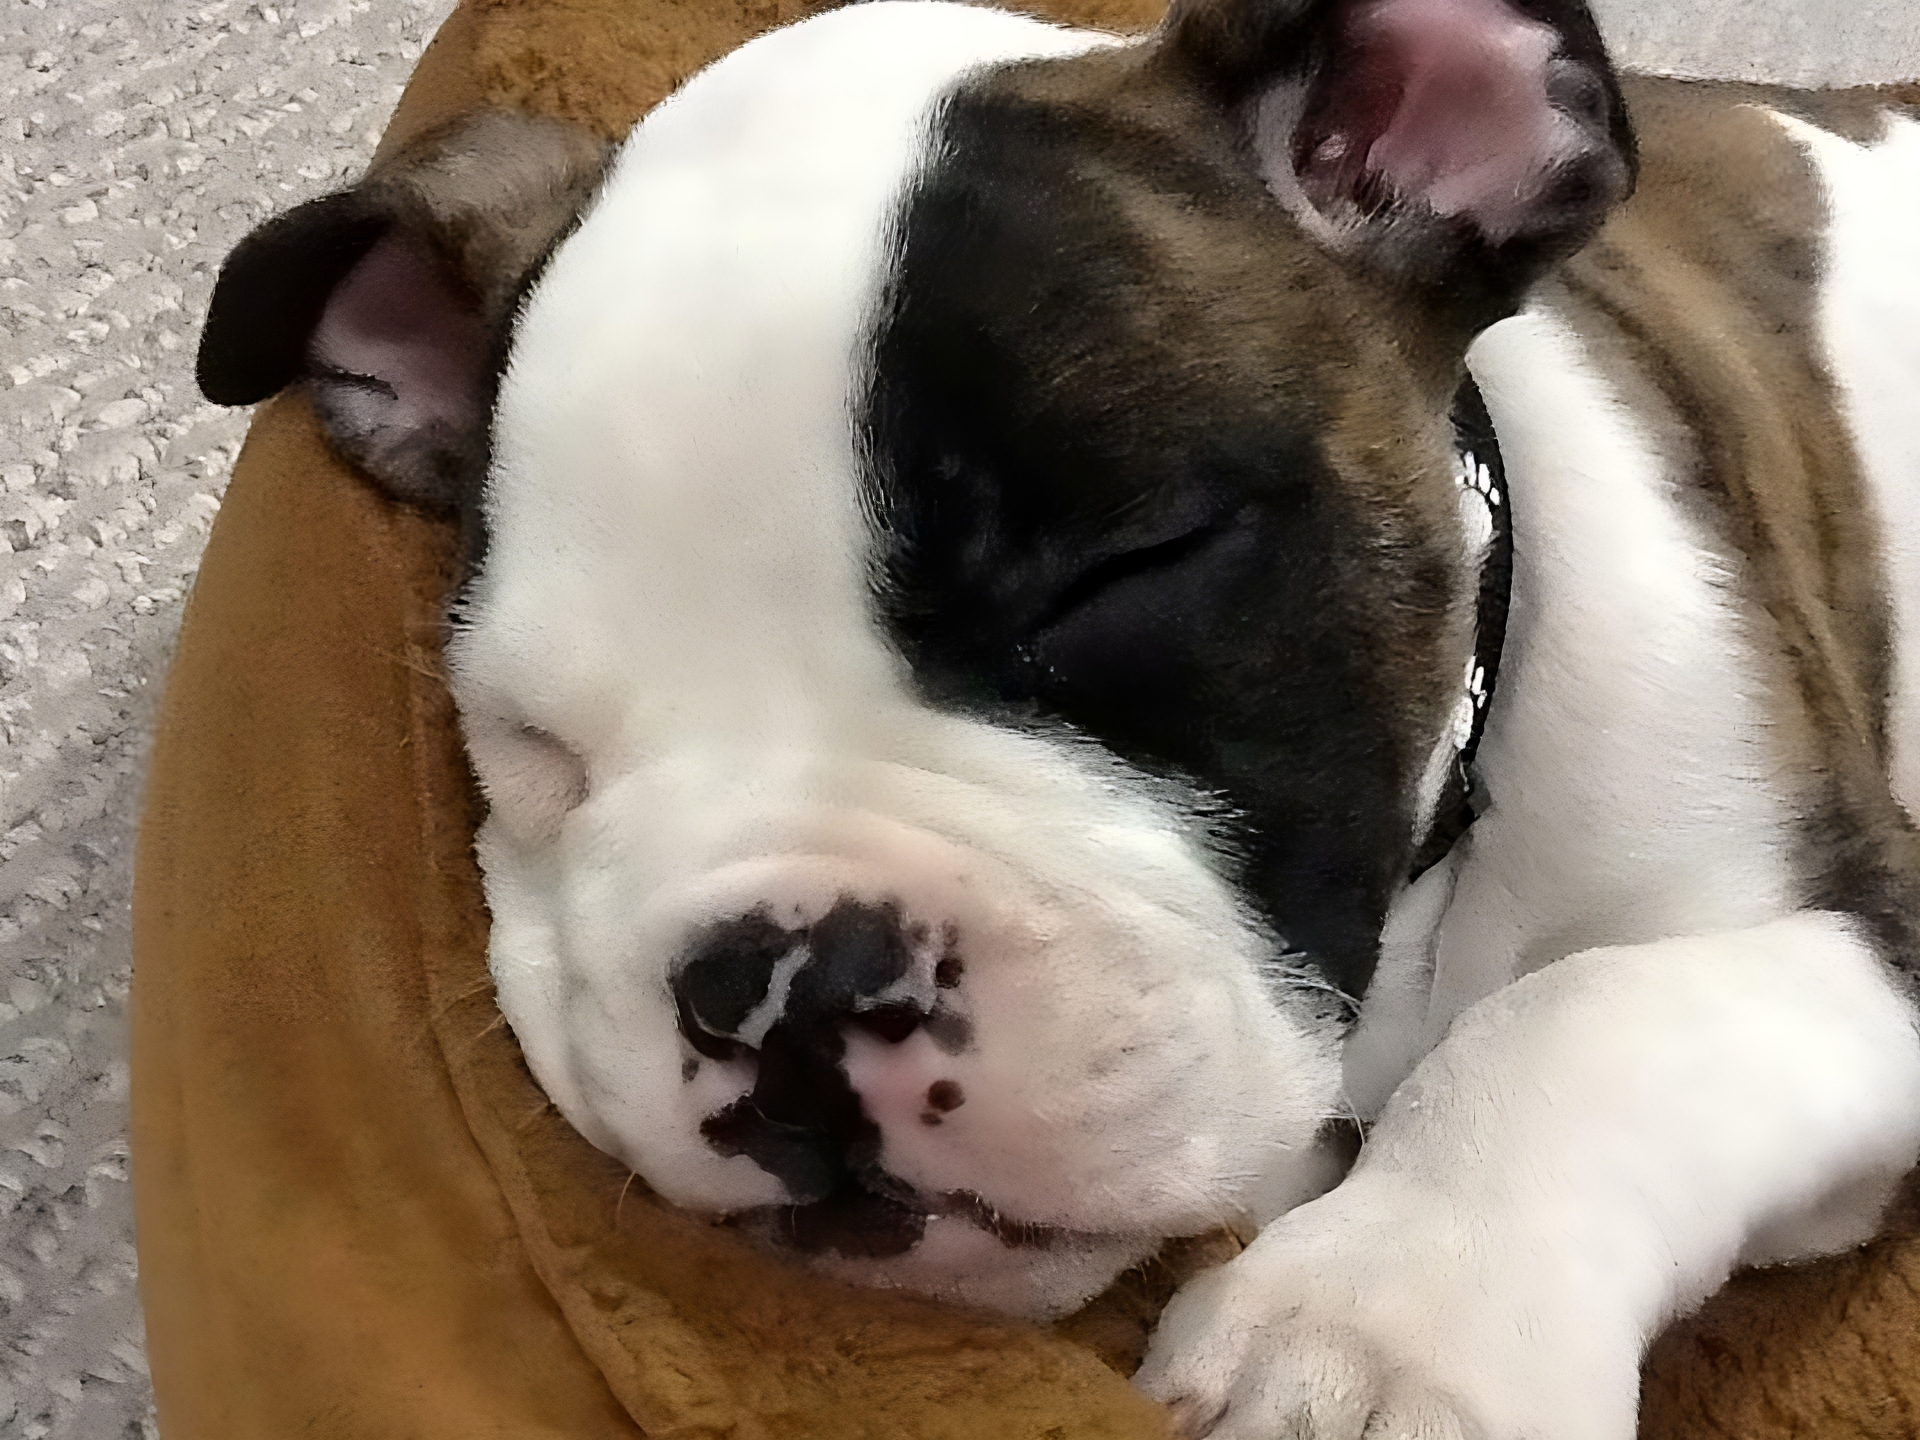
{"x":1477,"y":471}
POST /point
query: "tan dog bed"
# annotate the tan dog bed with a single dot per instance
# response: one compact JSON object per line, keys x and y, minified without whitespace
{"x":358,"y":1215}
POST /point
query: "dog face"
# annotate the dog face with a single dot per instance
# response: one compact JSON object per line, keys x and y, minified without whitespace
{"x":974,"y":594}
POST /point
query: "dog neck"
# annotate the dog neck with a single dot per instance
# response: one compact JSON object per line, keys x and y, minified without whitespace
{"x":1456,"y":798}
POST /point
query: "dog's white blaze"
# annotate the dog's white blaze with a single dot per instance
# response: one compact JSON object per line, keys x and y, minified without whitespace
{"x":678,"y":406}
{"x":678,"y":590}
{"x":1870,"y":325}
{"x":1627,"y":747}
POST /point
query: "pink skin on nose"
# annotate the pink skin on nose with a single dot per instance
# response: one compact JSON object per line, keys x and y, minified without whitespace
{"x":904,"y":1087}
{"x":1444,"y":99}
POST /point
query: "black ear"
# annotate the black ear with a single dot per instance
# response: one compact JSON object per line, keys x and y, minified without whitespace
{"x":393,"y":301}
{"x":1461,"y":145}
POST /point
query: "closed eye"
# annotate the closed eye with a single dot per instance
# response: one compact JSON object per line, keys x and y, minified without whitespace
{"x":1162,"y":555}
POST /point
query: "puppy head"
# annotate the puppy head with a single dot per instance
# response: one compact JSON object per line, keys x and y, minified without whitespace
{"x":974,"y":591}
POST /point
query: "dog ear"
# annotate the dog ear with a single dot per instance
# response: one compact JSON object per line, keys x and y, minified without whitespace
{"x":392,"y":301}
{"x":1462,"y":145}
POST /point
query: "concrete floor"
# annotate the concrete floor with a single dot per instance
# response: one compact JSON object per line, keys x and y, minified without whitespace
{"x":138,"y":141}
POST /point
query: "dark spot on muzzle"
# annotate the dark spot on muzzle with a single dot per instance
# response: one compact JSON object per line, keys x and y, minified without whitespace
{"x":942,"y":1096}
{"x":727,"y":977}
{"x":856,"y":1223}
{"x":802,"y":1122}
{"x":856,"y":952}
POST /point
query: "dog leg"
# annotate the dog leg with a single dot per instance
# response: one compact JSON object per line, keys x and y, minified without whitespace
{"x":1587,"y":1154}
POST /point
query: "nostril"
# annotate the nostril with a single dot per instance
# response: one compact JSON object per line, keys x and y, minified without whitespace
{"x":704,"y":1040}
{"x":857,"y":951}
{"x":891,"y":1023}
{"x":727,"y":976}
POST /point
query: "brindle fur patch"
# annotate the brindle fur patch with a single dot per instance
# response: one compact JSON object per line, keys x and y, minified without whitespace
{"x":1709,"y":279}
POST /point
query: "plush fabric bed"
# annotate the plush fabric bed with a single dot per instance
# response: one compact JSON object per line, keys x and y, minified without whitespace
{"x":359,"y":1218}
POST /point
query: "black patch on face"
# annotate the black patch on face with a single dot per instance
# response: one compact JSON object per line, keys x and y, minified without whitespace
{"x":858,"y":950}
{"x":802,"y":1122}
{"x":1097,"y":435}
{"x":726,"y":979}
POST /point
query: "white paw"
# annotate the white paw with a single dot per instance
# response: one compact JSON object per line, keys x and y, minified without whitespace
{"x":1371,"y":1313}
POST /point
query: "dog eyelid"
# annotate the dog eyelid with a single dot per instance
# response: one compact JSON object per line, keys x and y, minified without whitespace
{"x":1146,"y":559}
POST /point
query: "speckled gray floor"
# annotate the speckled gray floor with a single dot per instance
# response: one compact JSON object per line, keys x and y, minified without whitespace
{"x":138,"y":142}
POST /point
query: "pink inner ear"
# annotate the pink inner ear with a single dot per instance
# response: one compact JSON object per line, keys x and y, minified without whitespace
{"x":397,"y":319}
{"x":1445,"y":100}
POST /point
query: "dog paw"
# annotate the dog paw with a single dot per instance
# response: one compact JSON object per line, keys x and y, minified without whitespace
{"x":1354,"y":1318}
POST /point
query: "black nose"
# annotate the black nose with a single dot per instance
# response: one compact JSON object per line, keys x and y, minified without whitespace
{"x":727,"y":979}
{"x":802,"y":1122}
{"x":853,"y":952}
{"x":856,"y":952}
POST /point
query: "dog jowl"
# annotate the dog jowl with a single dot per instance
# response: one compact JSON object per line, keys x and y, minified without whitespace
{"x":973,"y":574}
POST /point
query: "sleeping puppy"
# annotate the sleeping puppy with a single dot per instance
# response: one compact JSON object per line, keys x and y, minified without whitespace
{"x":990,"y":568}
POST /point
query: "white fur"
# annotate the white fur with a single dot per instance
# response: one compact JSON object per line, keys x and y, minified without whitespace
{"x":1626,"y":752}
{"x":1870,"y":323}
{"x":1628,"y":756}
{"x":1587,"y":1154}
{"x":677,"y":592}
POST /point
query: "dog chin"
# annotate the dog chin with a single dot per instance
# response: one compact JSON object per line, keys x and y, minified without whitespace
{"x":961,"y":1253}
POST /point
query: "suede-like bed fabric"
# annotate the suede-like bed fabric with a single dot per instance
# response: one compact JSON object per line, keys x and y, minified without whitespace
{"x":358,"y":1217}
